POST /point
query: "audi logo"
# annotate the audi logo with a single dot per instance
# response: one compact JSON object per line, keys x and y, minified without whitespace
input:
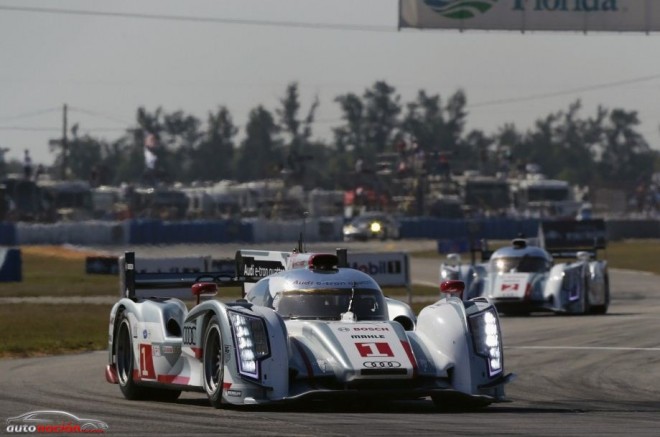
{"x":381,"y":364}
{"x":342,"y":329}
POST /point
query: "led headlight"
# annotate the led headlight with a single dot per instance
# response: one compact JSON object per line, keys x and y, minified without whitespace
{"x":487,"y":341}
{"x":375,"y":227}
{"x":251,"y":342}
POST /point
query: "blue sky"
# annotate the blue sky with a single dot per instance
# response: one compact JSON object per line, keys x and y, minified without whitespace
{"x":104,"y":67}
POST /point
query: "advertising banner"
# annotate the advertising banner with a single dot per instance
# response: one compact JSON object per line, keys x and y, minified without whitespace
{"x":532,"y":15}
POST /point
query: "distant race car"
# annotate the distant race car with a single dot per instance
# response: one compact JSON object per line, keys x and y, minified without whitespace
{"x":307,"y":329}
{"x":372,"y":225}
{"x":522,"y":278}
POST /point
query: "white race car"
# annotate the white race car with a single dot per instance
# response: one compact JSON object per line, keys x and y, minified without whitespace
{"x":522,"y":278}
{"x":306,"y":329}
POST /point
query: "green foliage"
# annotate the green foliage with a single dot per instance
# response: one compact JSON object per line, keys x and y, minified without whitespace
{"x":260,"y":155}
{"x":604,"y":149}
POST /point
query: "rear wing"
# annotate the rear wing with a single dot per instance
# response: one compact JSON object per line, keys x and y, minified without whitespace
{"x":253,"y":265}
{"x":250,"y":266}
{"x":137,"y":284}
{"x":565,"y":238}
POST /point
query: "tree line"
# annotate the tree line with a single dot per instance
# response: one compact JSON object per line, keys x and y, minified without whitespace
{"x":604,"y":149}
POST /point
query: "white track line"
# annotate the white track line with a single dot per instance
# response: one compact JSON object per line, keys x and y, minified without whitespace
{"x":587,"y":348}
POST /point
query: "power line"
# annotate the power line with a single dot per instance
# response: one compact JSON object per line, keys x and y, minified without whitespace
{"x":30,"y":114}
{"x":59,"y":129}
{"x":98,"y":114}
{"x":565,"y":92}
{"x":188,"y":18}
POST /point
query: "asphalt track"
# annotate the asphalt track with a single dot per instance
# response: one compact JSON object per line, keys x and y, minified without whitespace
{"x":576,"y":375}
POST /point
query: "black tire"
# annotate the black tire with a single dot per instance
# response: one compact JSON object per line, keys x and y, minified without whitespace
{"x":213,"y":362}
{"x":586,"y":300}
{"x":602,"y":309}
{"x":125,"y":362}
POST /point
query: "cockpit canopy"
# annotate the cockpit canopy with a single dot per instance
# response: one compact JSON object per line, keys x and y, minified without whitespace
{"x":303,"y":294}
{"x":520,"y":264}
{"x":520,"y":258}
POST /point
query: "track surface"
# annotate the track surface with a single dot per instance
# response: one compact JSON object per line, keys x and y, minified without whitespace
{"x":576,"y":375}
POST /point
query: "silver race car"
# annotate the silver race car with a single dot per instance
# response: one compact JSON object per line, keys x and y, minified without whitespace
{"x":307,"y":329}
{"x":523,"y":278}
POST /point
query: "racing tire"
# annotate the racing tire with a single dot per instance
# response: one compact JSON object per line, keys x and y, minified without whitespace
{"x":586,"y":300}
{"x":125,"y":362}
{"x":602,"y":309}
{"x":213,"y":362}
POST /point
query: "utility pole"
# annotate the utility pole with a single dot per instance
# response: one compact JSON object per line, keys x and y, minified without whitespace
{"x":63,"y":144}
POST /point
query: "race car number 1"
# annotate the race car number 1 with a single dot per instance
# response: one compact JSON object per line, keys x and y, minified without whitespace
{"x":146,"y":362}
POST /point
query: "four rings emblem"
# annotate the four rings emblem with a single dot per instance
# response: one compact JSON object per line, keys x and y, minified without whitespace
{"x":381,"y":364}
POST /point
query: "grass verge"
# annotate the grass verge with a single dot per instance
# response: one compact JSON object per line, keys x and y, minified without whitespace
{"x":40,"y":329}
{"x":57,"y":271}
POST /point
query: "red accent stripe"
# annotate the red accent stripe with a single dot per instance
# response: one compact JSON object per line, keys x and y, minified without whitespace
{"x":111,"y":374}
{"x":308,"y":363}
{"x":198,"y":351}
{"x":411,"y":357}
{"x":136,"y":375}
{"x":226,"y":385}
{"x":174,"y":379}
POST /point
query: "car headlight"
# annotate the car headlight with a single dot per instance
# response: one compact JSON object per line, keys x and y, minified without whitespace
{"x":487,"y":340}
{"x":375,"y":227}
{"x":251,"y":340}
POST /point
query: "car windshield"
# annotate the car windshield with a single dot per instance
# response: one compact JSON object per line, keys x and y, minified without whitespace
{"x":523,"y":264}
{"x":329,"y":304}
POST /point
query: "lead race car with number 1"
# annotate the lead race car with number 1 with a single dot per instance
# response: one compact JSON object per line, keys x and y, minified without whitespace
{"x":308,"y":328}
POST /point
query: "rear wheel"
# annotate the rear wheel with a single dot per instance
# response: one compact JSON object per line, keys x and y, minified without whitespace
{"x":125,"y":361}
{"x":213,"y":362}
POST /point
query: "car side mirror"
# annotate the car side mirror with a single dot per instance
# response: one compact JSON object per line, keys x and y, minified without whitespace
{"x":204,"y":288}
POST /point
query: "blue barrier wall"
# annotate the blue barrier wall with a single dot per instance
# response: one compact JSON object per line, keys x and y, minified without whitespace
{"x":264,"y":231}
{"x":7,"y":234}
{"x":211,"y":231}
{"x":11,"y":265}
{"x":492,"y":229}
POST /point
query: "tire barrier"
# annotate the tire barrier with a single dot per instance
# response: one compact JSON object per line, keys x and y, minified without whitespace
{"x":11,"y":265}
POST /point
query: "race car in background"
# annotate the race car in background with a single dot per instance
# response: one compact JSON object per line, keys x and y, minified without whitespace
{"x":523,"y":278}
{"x":372,"y":226}
{"x":307,"y":328}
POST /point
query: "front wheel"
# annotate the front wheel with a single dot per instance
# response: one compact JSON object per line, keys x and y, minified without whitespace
{"x":213,"y":362}
{"x":125,"y":361}
{"x":602,"y":309}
